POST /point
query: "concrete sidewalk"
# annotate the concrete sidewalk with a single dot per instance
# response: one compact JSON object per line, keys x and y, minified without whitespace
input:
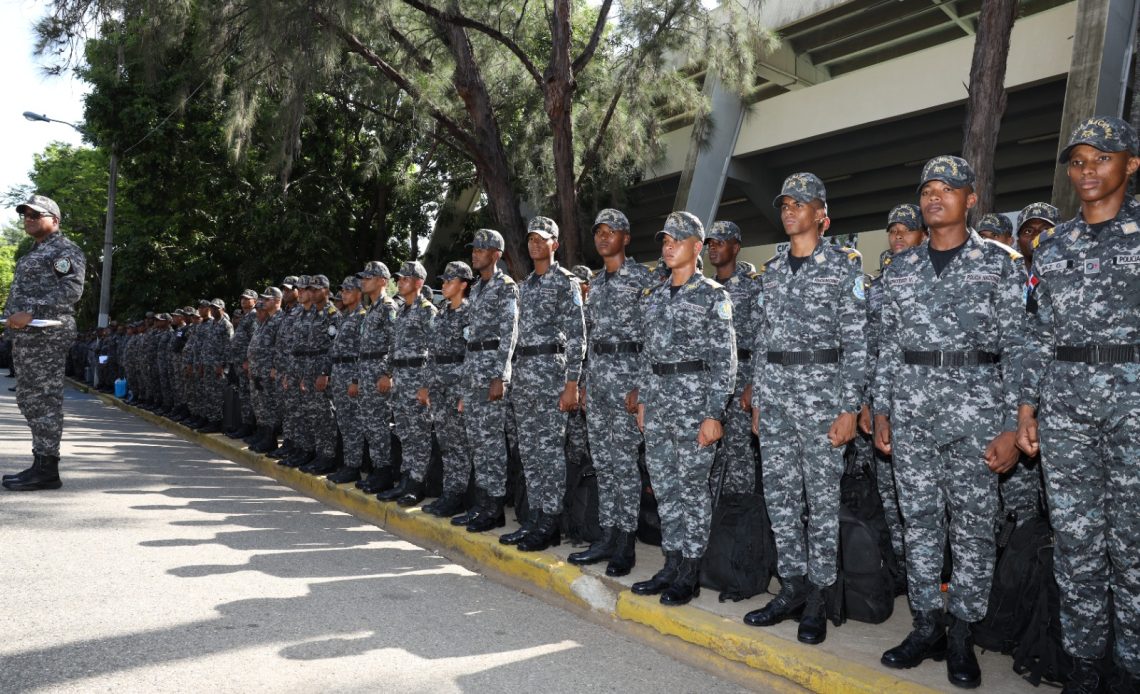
{"x":705,"y":631}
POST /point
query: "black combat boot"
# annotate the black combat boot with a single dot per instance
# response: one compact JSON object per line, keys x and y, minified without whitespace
{"x":813,"y":621}
{"x":299,"y":459}
{"x":445,"y":506}
{"x":345,"y":475}
{"x":961,"y":663}
{"x":44,"y":475}
{"x":686,"y":583}
{"x":255,"y":434}
{"x":260,"y":441}
{"x":322,"y":465}
{"x":490,"y":515}
{"x":789,"y":602}
{"x":1084,"y":679}
{"x":379,"y":480}
{"x":473,"y":510}
{"x":283,"y":451}
{"x":413,"y":493}
{"x":926,"y":640}
{"x":547,"y":533}
{"x":597,"y":551}
{"x":18,"y":476}
{"x":243,"y":432}
{"x":662,"y":579}
{"x":526,"y":528}
{"x":623,"y":559}
{"x":211,"y":427}
{"x":397,"y":491}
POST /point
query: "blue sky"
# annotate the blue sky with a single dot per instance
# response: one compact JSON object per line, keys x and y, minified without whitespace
{"x":28,"y":89}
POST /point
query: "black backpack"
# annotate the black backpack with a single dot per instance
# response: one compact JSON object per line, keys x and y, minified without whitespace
{"x":648,"y":520}
{"x":864,"y":587}
{"x":741,"y":556}
{"x":580,"y":521}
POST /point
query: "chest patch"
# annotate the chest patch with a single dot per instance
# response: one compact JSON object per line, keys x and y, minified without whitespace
{"x":1133,"y":259}
{"x":903,"y":281}
{"x":1055,"y":266}
{"x":1092,"y":266}
{"x":986,"y":277}
{"x":830,"y":281}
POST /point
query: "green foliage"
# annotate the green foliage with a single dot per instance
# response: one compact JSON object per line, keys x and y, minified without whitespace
{"x":7,"y":266}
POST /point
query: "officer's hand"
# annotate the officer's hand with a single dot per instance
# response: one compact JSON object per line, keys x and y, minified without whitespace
{"x":459,"y":406}
{"x":219,"y":371}
{"x":631,"y":401}
{"x":756,"y":421}
{"x":245,"y":366}
{"x":1027,"y":430}
{"x":883,"y":434}
{"x":710,"y":432}
{"x":301,"y":386}
{"x":496,"y":391}
{"x":1001,"y":454}
{"x":20,"y":320}
{"x":284,"y":383}
{"x":842,"y":429}
{"x":746,"y":398}
{"x":582,"y":398}
{"x":384,"y":384}
{"x":422,"y":397}
{"x":568,"y":401}
{"x":865,"y":420}
{"x":353,"y":390}
{"x":321,"y":383}
{"x":273,"y":374}
{"x":641,"y":417}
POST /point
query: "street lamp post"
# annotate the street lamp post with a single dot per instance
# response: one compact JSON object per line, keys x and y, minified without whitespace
{"x":109,"y":227}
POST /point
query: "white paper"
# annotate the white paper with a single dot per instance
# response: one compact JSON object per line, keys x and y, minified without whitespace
{"x":38,"y":323}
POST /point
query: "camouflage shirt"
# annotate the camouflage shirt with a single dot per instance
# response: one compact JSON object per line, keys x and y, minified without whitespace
{"x":493,"y":316}
{"x":48,"y":280}
{"x":446,"y":340}
{"x":263,"y":345}
{"x":550,"y":312}
{"x":376,"y":337}
{"x":243,"y":333}
{"x":743,"y":287}
{"x":613,"y":315}
{"x":316,"y":329}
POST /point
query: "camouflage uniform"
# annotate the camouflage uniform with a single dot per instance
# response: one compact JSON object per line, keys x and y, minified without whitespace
{"x":548,"y":355}
{"x":375,"y":345}
{"x":47,"y":283}
{"x":214,"y":356}
{"x":262,"y":347}
{"x":492,"y":328}
{"x":344,"y":353}
{"x":448,"y":351}
{"x":408,"y":363}
{"x":161,"y":363}
{"x":288,"y":377}
{"x":577,"y":433}
{"x":239,"y":347}
{"x":315,"y":332}
{"x":947,"y":376}
{"x":688,"y":369}
{"x":736,"y":449}
{"x":1082,"y":372}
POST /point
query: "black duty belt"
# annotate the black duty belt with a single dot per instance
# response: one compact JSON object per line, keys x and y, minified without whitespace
{"x":450,"y":359}
{"x":374,"y":355}
{"x":743,"y":354}
{"x":535,"y":350}
{"x":1099,"y":354}
{"x":409,"y":363}
{"x":678,"y":367}
{"x":815,"y":356}
{"x":309,"y":352}
{"x":482,"y":346}
{"x":972,"y":358}
{"x":617,"y":348}
{"x":344,"y":360}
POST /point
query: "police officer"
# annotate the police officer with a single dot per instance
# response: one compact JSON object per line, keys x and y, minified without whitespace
{"x":238,"y":368}
{"x":996,"y":227}
{"x":687,"y":374}
{"x":807,"y":393}
{"x":577,"y":434}
{"x":344,"y":381}
{"x":315,"y":333}
{"x":441,"y":393}
{"x":548,"y":364}
{"x":736,"y":456}
{"x":1080,"y":406}
{"x":260,"y":359}
{"x":213,"y":357}
{"x":1033,"y":219}
{"x":283,"y":364}
{"x":407,"y":374}
{"x":375,"y":405}
{"x":945,"y":398}
{"x":492,"y":329}
{"x":613,"y":326}
{"x":46,"y":285}
{"x":291,"y":337}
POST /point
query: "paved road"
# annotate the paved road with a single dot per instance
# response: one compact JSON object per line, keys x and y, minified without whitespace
{"x":160,"y":567}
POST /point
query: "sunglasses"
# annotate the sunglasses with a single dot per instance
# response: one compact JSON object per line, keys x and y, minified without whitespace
{"x":35,"y":215}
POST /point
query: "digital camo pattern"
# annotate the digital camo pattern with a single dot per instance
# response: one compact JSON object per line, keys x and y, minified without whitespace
{"x":375,"y":407}
{"x":315,"y":332}
{"x":410,"y":338}
{"x":213,"y":355}
{"x":344,"y":352}
{"x":446,"y":343}
{"x":262,"y":348}
{"x":882,"y":464}
{"x":239,"y":346}
{"x":736,"y":450}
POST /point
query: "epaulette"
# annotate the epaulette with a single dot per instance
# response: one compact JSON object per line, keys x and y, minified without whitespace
{"x":507,"y":279}
{"x":712,"y":283}
{"x":1013,"y":255}
{"x":886,"y":261}
{"x":647,"y":291}
{"x":569,"y":274}
{"x":424,"y":303}
{"x":756,"y":275}
{"x":1044,"y":236}
{"x":851,"y":253}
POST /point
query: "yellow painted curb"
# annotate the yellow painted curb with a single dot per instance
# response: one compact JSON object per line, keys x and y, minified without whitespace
{"x":806,"y":666}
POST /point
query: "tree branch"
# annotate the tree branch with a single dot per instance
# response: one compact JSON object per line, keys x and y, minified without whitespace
{"x":591,"y":158}
{"x":588,"y":53}
{"x":422,"y":62}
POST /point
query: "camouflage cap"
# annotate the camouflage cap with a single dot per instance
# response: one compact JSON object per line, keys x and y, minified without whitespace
{"x":412,"y":268}
{"x":487,"y":238}
{"x":272,"y":293}
{"x":318,"y":282}
{"x":1106,"y":133}
{"x":802,"y":187}
{"x":248,"y":294}
{"x":457,"y":269}
{"x":1038,"y":210}
{"x":545,"y":227}
{"x":163,"y":317}
{"x":39,"y":203}
{"x":724,"y":231}
{"x":375,"y":268}
{"x":908,"y":214}
{"x":583,"y":273}
{"x":290,"y":282}
{"x":614,"y":219}
{"x":352,"y":282}
{"x":175,"y":312}
{"x":218,"y":304}
{"x":996,"y":223}
{"x":336,"y":297}
{"x":189,"y":311}
{"x":682,"y":225}
{"x":955,"y":172}
{"x":303,"y":281}
{"x":150,"y":314}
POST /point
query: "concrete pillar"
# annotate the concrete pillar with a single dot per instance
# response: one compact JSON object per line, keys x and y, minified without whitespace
{"x":710,"y":152}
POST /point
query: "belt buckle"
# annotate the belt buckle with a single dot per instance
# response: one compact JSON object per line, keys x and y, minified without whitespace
{"x":1094,"y":355}
{"x":939,"y":358}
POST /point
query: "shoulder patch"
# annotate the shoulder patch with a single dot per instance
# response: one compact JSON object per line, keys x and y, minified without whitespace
{"x":330,"y":309}
{"x":62,"y":266}
{"x":724,"y":309}
{"x":507,"y":279}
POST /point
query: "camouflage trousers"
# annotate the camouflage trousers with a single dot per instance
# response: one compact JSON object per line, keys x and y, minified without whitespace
{"x":616,"y":438}
{"x":319,"y":419}
{"x":932,"y":480}
{"x":541,"y":431}
{"x":801,"y":473}
{"x":1090,"y":451}
{"x":244,"y":394}
{"x":736,"y":450}
{"x":413,"y":422}
{"x":485,"y":423}
{"x":294,"y":424}
{"x":452,"y":438}
{"x":884,"y":470}
{"x":577,"y":438}
{"x":213,"y":389}
{"x":348,"y":420}
{"x":375,"y":415}
{"x":1020,"y":490}
{"x":679,"y":471}
{"x":39,"y":356}
{"x":165,"y":383}
{"x":265,"y":407}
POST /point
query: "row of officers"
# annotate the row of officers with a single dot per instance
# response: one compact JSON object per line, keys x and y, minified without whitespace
{"x":977,"y":377}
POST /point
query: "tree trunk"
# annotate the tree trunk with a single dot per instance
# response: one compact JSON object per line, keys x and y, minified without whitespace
{"x":558,"y":88}
{"x":986,"y":103}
